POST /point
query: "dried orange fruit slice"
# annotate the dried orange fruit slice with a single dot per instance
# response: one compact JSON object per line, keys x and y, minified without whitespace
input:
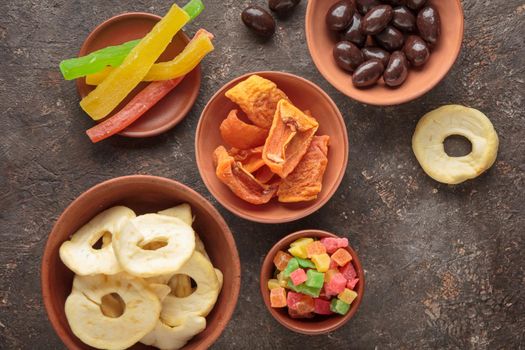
{"x":239,"y":134}
{"x":289,"y":138}
{"x":258,"y":98}
{"x":305,"y":182}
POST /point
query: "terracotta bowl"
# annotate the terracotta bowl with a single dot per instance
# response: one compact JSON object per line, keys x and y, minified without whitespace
{"x":318,"y":324}
{"x":143,"y":194}
{"x":305,"y":95}
{"x":321,"y":42}
{"x":172,"y":109}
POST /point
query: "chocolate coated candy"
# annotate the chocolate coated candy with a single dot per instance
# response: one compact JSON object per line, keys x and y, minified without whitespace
{"x":353,"y":33}
{"x":416,"y":50}
{"x":376,"y":19}
{"x":282,"y":7}
{"x":258,"y":20}
{"x":340,"y":15}
{"x":404,"y":19}
{"x":397,"y":70}
{"x":363,"y":6}
{"x":390,"y":39}
{"x":368,"y":73}
{"x":376,"y":52}
{"x":429,"y":24}
{"x":415,"y":4}
{"x":347,"y":55}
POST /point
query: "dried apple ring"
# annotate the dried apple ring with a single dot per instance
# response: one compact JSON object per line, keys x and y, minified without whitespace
{"x":79,"y":253}
{"x":437,"y":125}
{"x":166,"y":337}
{"x":88,"y":322}
{"x":172,"y":241}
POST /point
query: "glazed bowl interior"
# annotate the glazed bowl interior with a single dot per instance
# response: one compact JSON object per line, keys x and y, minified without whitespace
{"x":306,"y":96}
{"x":319,"y":324}
{"x":143,"y":194}
{"x":321,"y":42}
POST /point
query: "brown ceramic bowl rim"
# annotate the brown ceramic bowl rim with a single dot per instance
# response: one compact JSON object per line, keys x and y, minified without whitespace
{"x":299,"y":214}
{"x":403,"y":98}
{"x":44,"y":267}
{"x":310,"y":327}
{"x":190,"y":102}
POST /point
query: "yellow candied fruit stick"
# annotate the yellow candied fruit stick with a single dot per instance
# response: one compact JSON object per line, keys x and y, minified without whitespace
{"x":302,"y":241}
{"x":273,"y":283}
{"x":347,"y":295}
{"x":299,"y":251}
{"x":322,"y":262}
{"x":120,"y":82}
{"x":181,"y":65}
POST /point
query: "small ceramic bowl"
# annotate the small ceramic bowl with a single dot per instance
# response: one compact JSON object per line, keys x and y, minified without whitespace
{"x":306,"y":96}
{"x":143,"y":194}
{"x":172,"y":109}
{"x":321,"y":42}
{"x":318,"y":324}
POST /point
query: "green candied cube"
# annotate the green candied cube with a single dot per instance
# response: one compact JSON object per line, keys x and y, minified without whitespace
{"x":305,"y":263}
{"x":293,"y":265}
{"x":339,"y":306}
{"x":314,"y":279}
{"x":302,"y":288}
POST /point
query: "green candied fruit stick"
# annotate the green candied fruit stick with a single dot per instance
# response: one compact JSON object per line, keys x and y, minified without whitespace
{"x":293,"y":265}
{"x":303,"y":288}
{"x":314,"y":279}
{"x":339,"y":306}
{"x":113,"y":56}
{"x":305,"y":263}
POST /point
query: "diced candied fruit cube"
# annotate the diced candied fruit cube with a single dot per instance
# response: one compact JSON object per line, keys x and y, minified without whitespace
{"x":351,"y":283}
{"x":298,"y":251}
{"x":341,"y":257}
{"x":347,"y":295}
{"x":278,"y":297}
{"x":283,"y":281}
{"x":332,"y":244}
{"x":329,"y":274}
{"x":348,"y":271}
{"x":302,"y":241}
{"x":295,"y":314}
{"x":292,"y":298}
{"x":304,"y":289}
{"x":305,"y":263}
{"x":273,"y":283}
{"x":336,"y":284}
{"x":315,"y":248}
{"x":293,"y":265}
{"x":305,"y":305}
{"x":339,"y":306}
{"x":314,"y":279}
{"x":298,"y":277}
{"x":322,"y":262}
{"x":333,"y":264}
{"x":322,"y":307}
{"x":281,"y":260}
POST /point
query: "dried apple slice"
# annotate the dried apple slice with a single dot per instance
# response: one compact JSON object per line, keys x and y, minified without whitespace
{"x":166,"y":337}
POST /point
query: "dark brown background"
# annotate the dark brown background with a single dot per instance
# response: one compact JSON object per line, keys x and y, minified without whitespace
{"x":445,"y":264}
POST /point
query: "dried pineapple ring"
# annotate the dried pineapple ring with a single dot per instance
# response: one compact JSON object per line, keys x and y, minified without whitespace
{"x":436,"y":126}
{"x":144,"y":230}
{"x":202,"y":300}
{"x":89,"y":324}
{"x":78,"y":253}
{"x":172,"y":338}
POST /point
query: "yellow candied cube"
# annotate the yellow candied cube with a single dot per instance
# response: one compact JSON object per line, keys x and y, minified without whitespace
{"x":273,"y":283}
{"x":299,"y":251}
{"x":302,"y":241}
{"x":347,"y":295}
{"x":283,"y":281}
{"x":321,"y":261}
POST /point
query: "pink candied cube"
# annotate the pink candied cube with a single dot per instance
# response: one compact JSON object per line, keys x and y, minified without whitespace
{"x":348,"y":271}
{"x":292,"y":299}
{"x":298,"y":277}
{"x":332,"y":244}
{"x":322,"y":294}
{"x":322,"y":307}
{"x":336,"y":284}
{"x":351,"y":283}
{"x":333,"y":265}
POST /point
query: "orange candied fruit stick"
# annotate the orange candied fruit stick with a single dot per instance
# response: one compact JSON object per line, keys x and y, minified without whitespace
{"x":305,"y":182}
{"x":315,"y":248}
{"x":239,"y":134}
{"x":241,"y":182}
{"x":290,"y":136}
{"x":281,"y":260}
{"x":341,"y":257}
{"x":278,"y":297}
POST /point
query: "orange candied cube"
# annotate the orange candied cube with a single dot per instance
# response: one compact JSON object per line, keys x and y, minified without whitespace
{"x":278,"y":297}
{"x":341,"y":257}
{"x":315,"y":248}
{"x":281,"y":260}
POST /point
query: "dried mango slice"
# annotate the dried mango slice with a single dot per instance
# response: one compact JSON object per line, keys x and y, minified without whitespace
{"x":305,"y":182}
{"x":240,"y":181}
{"x":241,"y":135}
{"x":251,"y":159}
{"x":289,"y":138}
{"x":258,"y":98}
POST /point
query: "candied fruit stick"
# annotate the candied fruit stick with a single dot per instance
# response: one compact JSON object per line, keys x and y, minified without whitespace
{"x":304,"y":289}
{"x":302,"y":241}
{"x":241,"y":182}
{"x":283,"y":280}
{"x":290,"y":136}
{"x":251,"y":159}
{"x":315,"y":279}
{"x":258,"y":98}
{"x":322,"y":307}
{"x":322,"y":262}
{"x":239,"y":134}
{"x":316,"y":247}
{"x":306,"y":180}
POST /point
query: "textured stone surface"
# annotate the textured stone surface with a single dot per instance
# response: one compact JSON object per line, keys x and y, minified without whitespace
{"x":445,"y":264}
